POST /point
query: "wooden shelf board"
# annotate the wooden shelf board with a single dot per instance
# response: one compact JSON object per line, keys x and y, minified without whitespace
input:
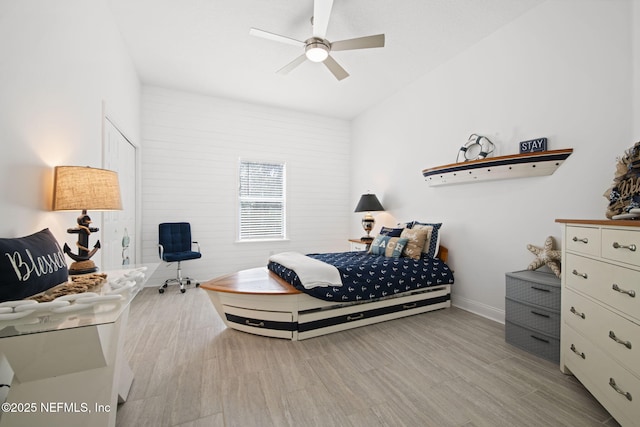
{"x":501,"y":167}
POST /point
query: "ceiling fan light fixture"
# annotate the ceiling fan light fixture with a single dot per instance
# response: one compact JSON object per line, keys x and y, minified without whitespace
{"x":316,"y":51}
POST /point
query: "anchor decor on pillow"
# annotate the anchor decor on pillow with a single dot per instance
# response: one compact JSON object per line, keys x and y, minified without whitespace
{"x":624,"y":193}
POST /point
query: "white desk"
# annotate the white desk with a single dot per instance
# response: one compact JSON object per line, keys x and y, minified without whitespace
{"x":68,"y":369}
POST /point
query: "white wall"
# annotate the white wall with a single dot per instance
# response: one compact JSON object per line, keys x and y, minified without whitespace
{"x":192,"y":145}
{"x":59,"y":60}
{"x":635,"y":46}
{"x":561,"y":71}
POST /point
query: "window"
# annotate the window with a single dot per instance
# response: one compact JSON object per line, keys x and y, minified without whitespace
{"x":262,"y":200}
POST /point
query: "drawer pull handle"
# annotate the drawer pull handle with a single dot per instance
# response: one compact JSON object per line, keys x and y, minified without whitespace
{"x":579,"y":353}
{"x":576,"y":273}
{"x":577,"y":313}
{"x":540,"y":289}
{"x":631,"y":247}
{"x":539,"y":339}
{"x":257,"y":325}
{"x":540,"y":314}
{"x":408,"y":306}
{"x":631,"y":293}
{"x":613,"y":336}
{"x":613,"y":385}
{"x":356,"y":317}
{"x":583,"y":240}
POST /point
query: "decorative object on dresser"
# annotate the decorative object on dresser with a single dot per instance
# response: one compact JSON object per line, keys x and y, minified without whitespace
{"x":600,"y":331}
{"x":84,"y":188}
{"x":532,"y":313}
{"x":368,"y":203}
{"x":546,"y":255}
{"x":476,"y":147}
{"x":624,"y":193}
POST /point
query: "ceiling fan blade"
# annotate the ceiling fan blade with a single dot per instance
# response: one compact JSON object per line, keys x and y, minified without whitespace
{"x":359,"y":43}
{"x":293,"y":64}
{"x":275,"y":37}
{"x":321,"y":14}
{"x":335,"y":68}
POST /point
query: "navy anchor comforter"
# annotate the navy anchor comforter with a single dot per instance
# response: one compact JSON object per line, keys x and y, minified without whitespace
{"x":366,"y":276}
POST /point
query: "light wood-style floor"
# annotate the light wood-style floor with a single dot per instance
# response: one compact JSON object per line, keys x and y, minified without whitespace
{"x":444,"y":368}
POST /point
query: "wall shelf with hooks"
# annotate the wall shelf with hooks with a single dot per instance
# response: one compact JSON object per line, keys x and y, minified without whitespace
{"x":502,"y":167}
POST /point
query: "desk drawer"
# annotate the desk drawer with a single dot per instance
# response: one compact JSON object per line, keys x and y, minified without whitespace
{"x":621,"y":245}
{"x":585,"y":240}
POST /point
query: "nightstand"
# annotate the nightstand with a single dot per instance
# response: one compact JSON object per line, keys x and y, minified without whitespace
{"x":359,"y":244}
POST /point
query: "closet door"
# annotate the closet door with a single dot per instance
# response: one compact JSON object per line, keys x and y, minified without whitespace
{"x":118,"y":229}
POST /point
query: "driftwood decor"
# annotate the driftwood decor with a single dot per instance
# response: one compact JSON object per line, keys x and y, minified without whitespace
{"x":624,"y":193}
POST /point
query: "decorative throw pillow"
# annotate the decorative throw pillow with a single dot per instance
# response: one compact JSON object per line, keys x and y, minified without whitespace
{"x":416,"y":239}
{"x":30,"y":265}
{"x":391,"y":247}
{"x":391,"y":232}
{"x":432,"y":244}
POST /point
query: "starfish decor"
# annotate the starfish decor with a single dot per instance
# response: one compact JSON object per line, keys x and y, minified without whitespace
{"x":546,"y":256}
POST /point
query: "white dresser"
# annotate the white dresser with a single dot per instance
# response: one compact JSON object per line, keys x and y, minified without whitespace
{"x":600,"y":328}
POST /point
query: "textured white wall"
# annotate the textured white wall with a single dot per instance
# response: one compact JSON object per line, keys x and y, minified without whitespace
{"x":562,"y":71}
{"x":191,"y":148}
{"x":59,"y":61}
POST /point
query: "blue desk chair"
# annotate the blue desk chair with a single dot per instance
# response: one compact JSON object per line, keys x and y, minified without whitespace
{"x":175,"y":244}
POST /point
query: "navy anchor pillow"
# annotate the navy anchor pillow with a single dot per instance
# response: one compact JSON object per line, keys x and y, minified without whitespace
{"x":30,"y":265}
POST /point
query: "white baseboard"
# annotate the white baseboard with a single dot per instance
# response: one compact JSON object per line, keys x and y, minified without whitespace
{"x":478,"y":308}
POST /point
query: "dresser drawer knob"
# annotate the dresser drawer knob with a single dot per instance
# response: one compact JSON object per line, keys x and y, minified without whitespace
{"x":577,"y":313}
{"x":631,"y":293}
{"x":631,"y":247}
{"x":583,"y":240}
{"x":613,"y":336}
{"x":613,"y":385}
{"x":579,"y":353}
{"x":583,"y":275}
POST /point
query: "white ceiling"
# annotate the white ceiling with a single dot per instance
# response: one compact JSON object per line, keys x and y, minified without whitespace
{"x":204,"y":46}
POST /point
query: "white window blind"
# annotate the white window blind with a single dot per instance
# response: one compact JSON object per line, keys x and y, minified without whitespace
{"x":262,"y":200}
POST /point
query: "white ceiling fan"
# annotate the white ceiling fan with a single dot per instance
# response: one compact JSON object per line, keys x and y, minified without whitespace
{"x":317,"y":48}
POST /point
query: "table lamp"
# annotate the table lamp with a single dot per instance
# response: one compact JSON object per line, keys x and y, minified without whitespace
{"x":84,"y":188}
{"x":368,"y":203}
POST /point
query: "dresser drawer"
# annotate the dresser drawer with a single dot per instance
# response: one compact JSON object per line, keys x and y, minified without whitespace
{"x":534,"y":287}
{"x":532,"y":316}
{"x":613,"y":334}
{"x":618,"y":287}
{"x":606,"y":379}
{"x":585,"y":240}
{"x":621,"y":245}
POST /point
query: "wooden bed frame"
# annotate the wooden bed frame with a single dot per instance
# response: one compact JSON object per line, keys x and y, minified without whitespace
{"x":259,"y":302}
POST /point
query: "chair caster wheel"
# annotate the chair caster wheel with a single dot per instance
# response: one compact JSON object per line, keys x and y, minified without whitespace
{"x":161,"y":290}
{"x":183,"y":290}
{"x":188,"y":282}
{"x":165,"y":285}
{"x":197,"y":285}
